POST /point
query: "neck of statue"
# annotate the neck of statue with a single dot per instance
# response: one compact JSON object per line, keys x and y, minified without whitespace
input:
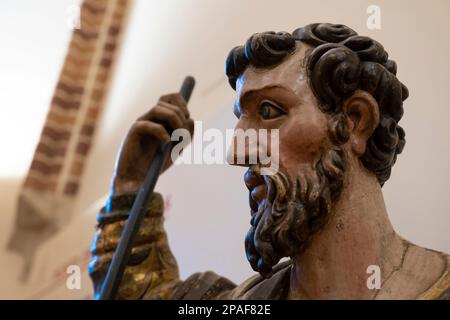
{"x":358,"y":235}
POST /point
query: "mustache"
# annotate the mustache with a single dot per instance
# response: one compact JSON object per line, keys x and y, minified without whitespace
{"x":260,"y":186}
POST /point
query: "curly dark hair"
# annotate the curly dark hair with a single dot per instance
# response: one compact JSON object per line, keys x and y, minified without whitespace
{"x":340,"y":62}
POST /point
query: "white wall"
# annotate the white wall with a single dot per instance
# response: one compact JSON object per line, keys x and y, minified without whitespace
{"x":34,"y":39}
{"x":167,"y":40}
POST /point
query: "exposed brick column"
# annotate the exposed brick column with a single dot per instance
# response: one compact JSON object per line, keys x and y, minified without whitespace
{"x":50,"y":188}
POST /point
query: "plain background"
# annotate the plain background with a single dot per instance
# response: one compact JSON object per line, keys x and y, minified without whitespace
{"x":165,"y":40}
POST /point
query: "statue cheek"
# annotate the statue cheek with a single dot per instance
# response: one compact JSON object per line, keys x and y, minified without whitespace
{"x":303,"y":141}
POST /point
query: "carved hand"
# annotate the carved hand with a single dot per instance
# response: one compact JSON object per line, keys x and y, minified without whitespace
{"x":144,"y":137}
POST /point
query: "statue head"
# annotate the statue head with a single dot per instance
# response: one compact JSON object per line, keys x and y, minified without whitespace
{"x":336,"y":100}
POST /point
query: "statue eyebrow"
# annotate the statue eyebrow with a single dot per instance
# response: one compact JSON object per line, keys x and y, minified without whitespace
{"x":250,"y":92}
{"x":253,"y":91}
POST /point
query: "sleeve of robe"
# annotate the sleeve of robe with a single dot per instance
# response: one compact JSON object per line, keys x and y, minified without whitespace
{"x":152,"y":270}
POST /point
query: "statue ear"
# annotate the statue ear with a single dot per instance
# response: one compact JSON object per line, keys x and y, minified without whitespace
{"x":363,"y":116}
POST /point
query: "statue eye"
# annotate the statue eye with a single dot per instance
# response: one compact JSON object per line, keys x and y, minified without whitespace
{"x":268,"y":110}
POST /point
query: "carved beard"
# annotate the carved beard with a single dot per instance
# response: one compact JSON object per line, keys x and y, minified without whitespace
{"x":292,"y":211}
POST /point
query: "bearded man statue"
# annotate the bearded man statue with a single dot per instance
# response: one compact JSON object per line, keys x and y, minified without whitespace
{"x":336,"y":101}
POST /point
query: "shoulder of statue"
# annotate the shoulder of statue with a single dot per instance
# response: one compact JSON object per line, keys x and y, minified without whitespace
{"x":440,"y":290}
{"x":259,"y":288}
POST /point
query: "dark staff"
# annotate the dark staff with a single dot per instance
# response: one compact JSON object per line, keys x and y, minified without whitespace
{"x":137,"y":213}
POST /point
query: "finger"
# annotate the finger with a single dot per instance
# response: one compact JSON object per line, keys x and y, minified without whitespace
{"x":174,"y":98}
{"x":182,"y":113}
{"x":190,"y":126}
{"x":177,"y":100}
{"x":150,"y":115}
{"x":156,"y":130}
{"x":177,"y":109}
{"x":170,"y":118}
